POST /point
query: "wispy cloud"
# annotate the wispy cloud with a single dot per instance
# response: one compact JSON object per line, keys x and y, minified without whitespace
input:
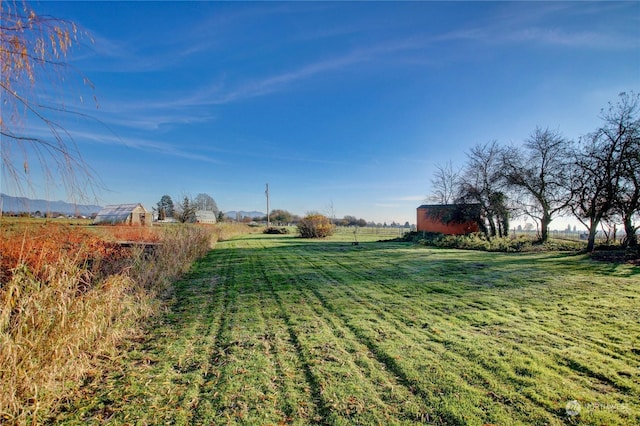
{"x":552,"y":24}
{"x":153,"y":120}
{"x":219,"y":94}
{"x":142,"y":144}
{"x":411,"y":198}
{"x":561,"y":37}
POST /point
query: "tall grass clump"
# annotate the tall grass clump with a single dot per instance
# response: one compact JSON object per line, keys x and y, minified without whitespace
{"x":224,"y":231}
{"x":66,"y":308}
{"x":154,"y":268}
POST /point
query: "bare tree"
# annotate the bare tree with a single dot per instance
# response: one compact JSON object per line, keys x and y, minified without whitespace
{"x":205,"y":202}
{"x":622,"y":128}
{"x":591,"y":186}
{"x":481,"y":182}
{"x":444,"y":184}
{"x":33,"y":49}
{"x":605,"y":179}
{"x":538,"y":173}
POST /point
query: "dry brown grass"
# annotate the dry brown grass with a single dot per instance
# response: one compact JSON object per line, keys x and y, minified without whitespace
{"x":64,"y":315}
{"x":53,"y":333}
{"x":147,"y":234}
{"x":38,"y":245}
{"x":226,"y":230}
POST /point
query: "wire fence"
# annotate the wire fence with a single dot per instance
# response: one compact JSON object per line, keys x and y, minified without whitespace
{"x":561,"y":235}
{"x":373,"y":230}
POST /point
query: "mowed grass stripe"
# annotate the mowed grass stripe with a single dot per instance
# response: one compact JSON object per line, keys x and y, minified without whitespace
{"x":244,"y":390}
{"x":202,"y":298}
{"x":257,"y":385}
{"x":330,"y":371}
{"x":337,"y":356}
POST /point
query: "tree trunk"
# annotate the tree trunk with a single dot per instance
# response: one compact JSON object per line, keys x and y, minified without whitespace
{"x":591,"y":242}
{"x":544,"y":227}
{"x":492,"y":226}
{"x":631,"y":239}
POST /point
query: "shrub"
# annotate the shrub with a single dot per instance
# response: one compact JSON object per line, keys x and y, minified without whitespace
{"x":274,"y":230}
{"x":478,"y":241}
{"x":315,"y":226}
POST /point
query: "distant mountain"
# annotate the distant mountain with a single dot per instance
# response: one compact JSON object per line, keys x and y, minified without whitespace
{"x":23,"y":204}
{"x":233,"y":214}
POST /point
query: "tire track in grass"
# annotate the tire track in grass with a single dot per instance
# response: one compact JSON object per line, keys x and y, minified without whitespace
{"x":273,"y":346}
{"x":296,"y":401}
{"x":249,"y":387}
{"x":243,"y":391}
{"x":290,"y":389}
{"x":399,"y":406}
{"x":321,"y":405}
{"x":205,"y":411}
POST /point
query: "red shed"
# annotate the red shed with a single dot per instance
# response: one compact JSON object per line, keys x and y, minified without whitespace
{"x":450,"y":219}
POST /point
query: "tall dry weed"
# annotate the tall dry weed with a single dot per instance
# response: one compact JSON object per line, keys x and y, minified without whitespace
{"x":54,"y":333}
{"x":227,"y":230}
{"x":65,"y":312}
{"x":156,"y":268}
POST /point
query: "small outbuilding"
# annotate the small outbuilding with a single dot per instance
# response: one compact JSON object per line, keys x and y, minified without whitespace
{"x":449,"y":219}
{"x":124,"y":214}
{"x":206,"y":216}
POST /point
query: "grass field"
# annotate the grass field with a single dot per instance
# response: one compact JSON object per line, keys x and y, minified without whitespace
{"x":273,"y":330}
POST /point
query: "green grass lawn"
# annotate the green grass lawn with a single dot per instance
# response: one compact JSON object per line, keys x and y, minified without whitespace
{"x":270,"y":329}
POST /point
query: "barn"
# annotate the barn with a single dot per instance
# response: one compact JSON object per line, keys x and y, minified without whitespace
{"x":124,"y":214}
{"x":206,"y":216}
{"x":450,"y":219}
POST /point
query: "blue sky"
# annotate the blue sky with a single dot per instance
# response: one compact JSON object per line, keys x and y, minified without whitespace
{"x":341,"y":107}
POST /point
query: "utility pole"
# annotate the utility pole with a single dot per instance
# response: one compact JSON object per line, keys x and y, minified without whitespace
{"x":268,"y":217}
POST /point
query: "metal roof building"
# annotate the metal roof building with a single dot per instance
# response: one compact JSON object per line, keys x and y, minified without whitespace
{"x":206,"y":216}
{"x":125,"y":214}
